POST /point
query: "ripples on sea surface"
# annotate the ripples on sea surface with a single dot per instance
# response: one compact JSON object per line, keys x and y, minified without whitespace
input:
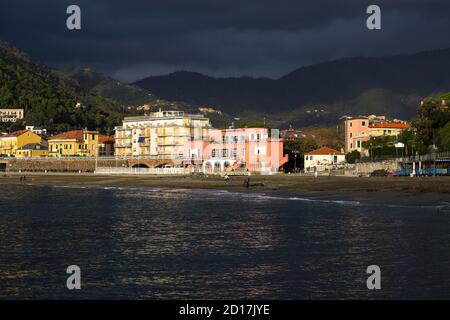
{"x":154,"y":244}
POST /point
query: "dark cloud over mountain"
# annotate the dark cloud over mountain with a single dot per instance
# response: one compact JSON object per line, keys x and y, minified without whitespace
{"x":136,"y":38}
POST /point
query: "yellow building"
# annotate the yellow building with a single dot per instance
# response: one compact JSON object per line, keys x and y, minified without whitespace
{"x":75,"y":143}
{"x":162,"y":133}
{"x":10,"y":143}
{"x":387,"y":129}
{"x":33,"y":150}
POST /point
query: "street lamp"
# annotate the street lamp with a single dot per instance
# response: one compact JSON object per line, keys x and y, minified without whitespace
{"x":295,"y":160}
{"x":96,"y":158}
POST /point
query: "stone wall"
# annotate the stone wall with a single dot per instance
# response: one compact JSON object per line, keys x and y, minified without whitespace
{"x":75,"y":165}
{"x":369,"y":167}
{"x":364,"y":169}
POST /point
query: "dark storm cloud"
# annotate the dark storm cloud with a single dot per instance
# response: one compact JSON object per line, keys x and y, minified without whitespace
{"x":133,"y":39}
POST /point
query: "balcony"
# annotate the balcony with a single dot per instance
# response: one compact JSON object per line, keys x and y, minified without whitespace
{"x":170,"y":145}
{"x":123,"y":145}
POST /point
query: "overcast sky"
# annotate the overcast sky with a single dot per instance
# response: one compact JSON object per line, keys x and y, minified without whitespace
{"x":132,"y":39}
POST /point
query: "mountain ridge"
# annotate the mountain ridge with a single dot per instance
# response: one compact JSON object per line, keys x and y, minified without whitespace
{"x":397,"y":81}
{"x":315,"y":95}
{"x":107,"y":86}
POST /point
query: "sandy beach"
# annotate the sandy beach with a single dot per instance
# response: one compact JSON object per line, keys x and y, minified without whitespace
{"x":428,"y":188}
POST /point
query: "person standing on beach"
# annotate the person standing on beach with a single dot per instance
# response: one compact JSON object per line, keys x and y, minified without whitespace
{"x":247,"y":181}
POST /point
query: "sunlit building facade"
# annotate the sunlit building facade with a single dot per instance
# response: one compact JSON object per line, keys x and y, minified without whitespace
{"x":161,"y":134}
{"x":10,"y":143}
{"x":75,"y":143}
{"x":249,"y":149}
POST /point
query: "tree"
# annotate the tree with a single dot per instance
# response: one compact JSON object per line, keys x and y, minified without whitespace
{"x":444,"y":134}
{"x":412,"y":142}
{"x":16,"y":126}
{"x":253,"y":125}
{"x":351,"y":157}
{"x":445,"y":96}
{"x":326,"y":136}
{"x":301,"y":146}
{"x":380,"y":146}
{"x":431,"y":119}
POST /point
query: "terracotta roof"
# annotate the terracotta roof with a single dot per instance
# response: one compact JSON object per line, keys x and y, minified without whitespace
{"x":390,"y":125}
{"x":15,"y":134}
{"x":103,"y":139}
{"x":69,"y":135}
{"x":324,"y":151}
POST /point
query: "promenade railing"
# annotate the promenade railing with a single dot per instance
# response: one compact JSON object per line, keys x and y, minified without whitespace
{"x":94,"y":158}
{"x":426,"y":157}
{"x":154,"y":171}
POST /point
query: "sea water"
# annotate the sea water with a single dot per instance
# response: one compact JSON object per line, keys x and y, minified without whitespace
{"x":138,"y":243}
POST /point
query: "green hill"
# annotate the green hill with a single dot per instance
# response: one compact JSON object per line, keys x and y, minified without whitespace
{"x":445,"y":96}
{"x":78,"y":98}
{"x":49,"y":100}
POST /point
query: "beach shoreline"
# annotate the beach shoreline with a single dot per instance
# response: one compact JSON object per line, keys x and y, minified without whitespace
{"x":426,"y":188}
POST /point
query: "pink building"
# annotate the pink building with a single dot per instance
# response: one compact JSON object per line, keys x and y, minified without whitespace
{"x":249,"y":149}
{"x":356,"y":132}
{"x":361,"y":129}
